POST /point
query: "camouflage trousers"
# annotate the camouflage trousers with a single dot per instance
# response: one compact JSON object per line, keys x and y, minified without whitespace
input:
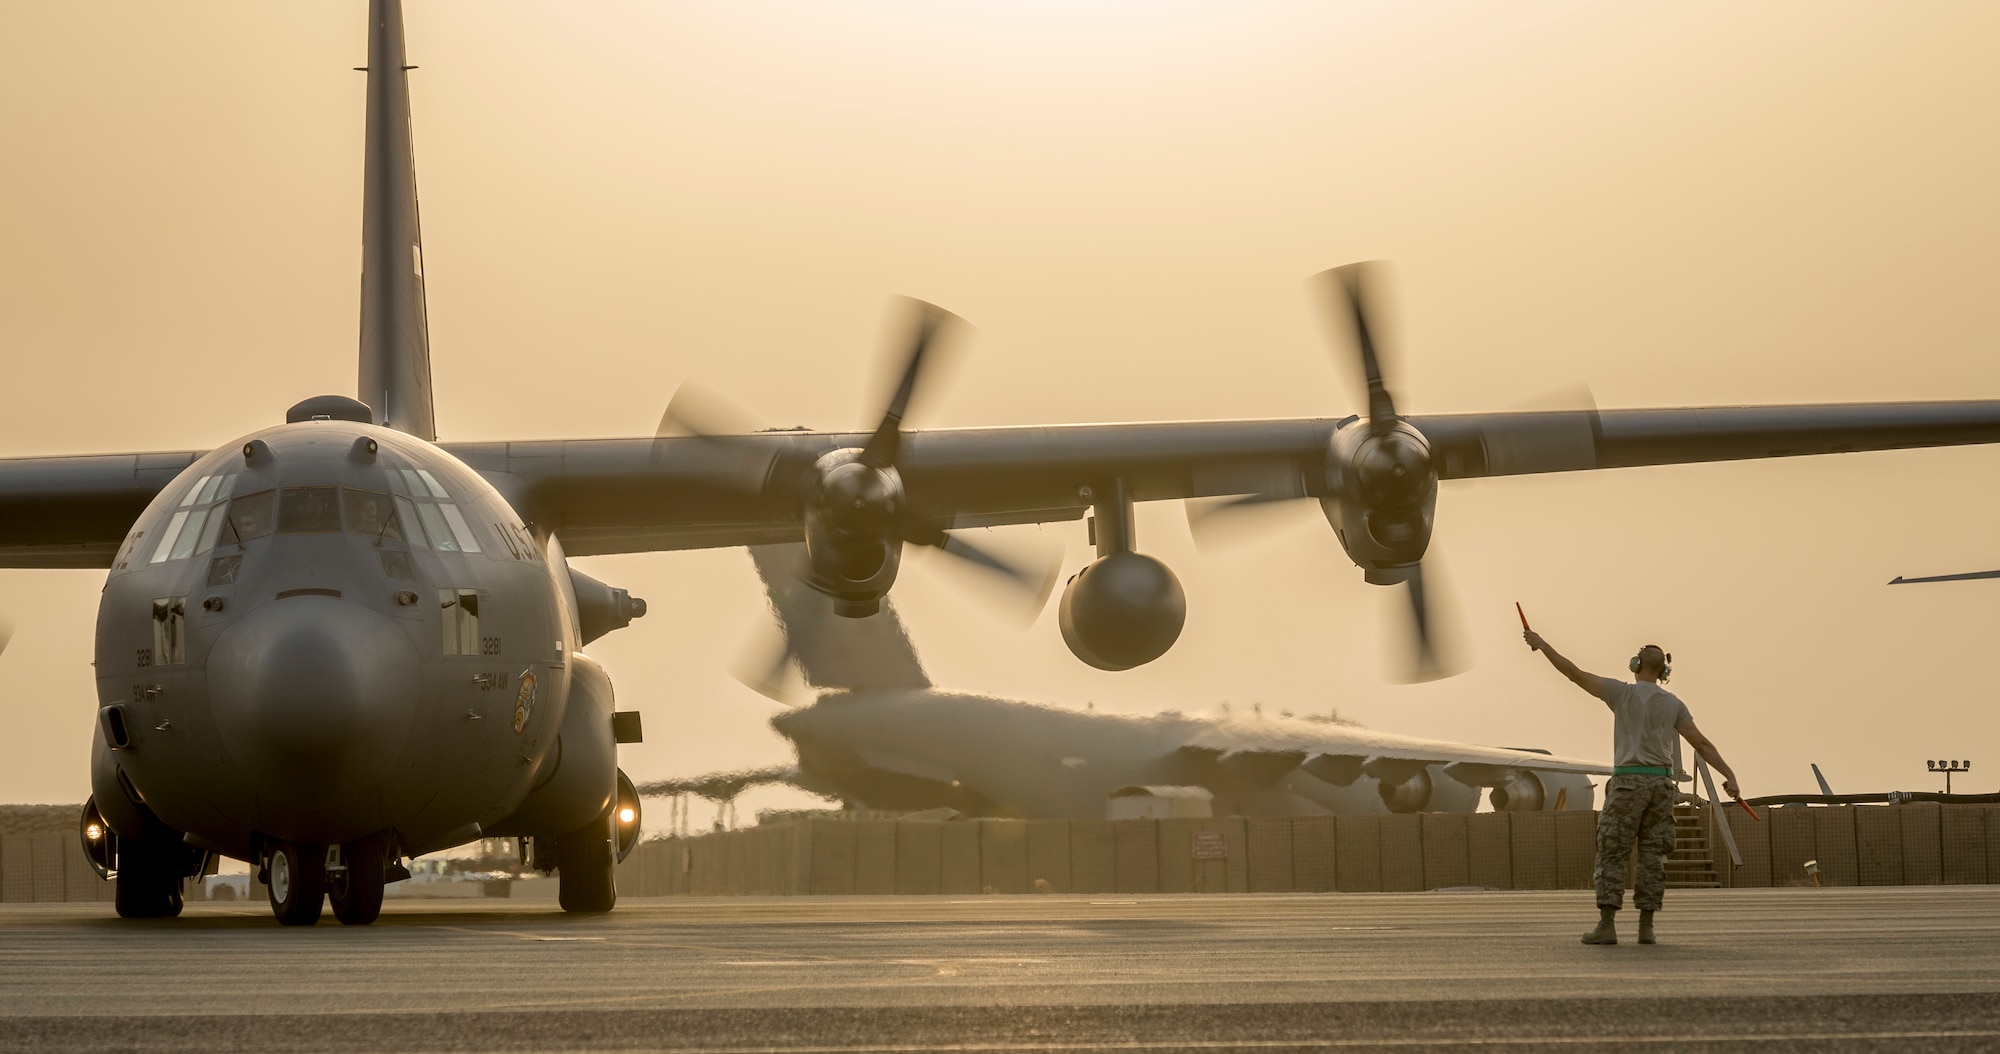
{"x":1641,"y":808}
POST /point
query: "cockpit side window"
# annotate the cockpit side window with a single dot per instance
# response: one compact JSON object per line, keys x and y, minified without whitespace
{"x":406,"y":514}
{"x":461,"y":620}
{"x":169,"y":631}
{"x":439,"y":531}
{"x":308,"y":510}
{"x":371,"y":514}
{"x":191,"y":528}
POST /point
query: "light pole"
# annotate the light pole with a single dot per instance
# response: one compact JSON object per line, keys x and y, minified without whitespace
{"x":1948,"y":767}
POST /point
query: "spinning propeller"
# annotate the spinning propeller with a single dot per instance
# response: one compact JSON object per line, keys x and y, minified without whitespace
{"x":851,"y":500}
{"x":1381,"y":481}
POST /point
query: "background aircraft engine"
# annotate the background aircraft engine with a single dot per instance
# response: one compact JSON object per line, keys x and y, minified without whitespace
{"x":1122,"y":611}
{"x":1533,"y":791}
{"x":1412,"y":794}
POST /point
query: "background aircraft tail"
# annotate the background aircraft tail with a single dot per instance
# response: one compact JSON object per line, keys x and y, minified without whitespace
{"x":395,"y":330}
{"x":855,"y":654}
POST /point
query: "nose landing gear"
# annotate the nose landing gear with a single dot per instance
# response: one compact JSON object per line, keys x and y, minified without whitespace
{"x":303,"y":878}
{"x":297,"y":883}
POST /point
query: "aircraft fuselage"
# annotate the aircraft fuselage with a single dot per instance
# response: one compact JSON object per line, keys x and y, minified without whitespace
{"x":329,"y":630}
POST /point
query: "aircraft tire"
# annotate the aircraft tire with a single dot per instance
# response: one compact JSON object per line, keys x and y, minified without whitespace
{"x":297,"y":884}
{"x":586,"y":868}
{"x":148,"y":886}
{"x":357,"y":893}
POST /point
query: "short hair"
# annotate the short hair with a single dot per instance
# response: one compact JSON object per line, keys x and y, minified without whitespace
{"x":1645,"y":660}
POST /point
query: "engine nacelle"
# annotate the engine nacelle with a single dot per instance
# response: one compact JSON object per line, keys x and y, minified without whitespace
{"x":852,"y":548}
{"x":1382,"y":498}
{"x":1122,"y":611}
{"x":601,"y":608}
{"x":1532,"y":790}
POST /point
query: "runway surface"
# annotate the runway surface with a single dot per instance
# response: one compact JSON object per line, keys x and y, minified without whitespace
{"x":1777,"y":970}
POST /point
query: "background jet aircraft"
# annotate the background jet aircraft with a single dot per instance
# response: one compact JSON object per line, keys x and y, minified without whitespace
{"x":338,"y":641}
{"x":881,"y":735}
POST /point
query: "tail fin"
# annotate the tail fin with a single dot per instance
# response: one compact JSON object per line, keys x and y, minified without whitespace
{"x":856,"y":654}
{"x":395,"y":332}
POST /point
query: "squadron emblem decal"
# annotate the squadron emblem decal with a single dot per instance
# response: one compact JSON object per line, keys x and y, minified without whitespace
{"x":524,"y":700}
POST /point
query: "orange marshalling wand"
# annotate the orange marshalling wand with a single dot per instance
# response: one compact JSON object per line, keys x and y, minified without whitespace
{"x":1523,"y":614}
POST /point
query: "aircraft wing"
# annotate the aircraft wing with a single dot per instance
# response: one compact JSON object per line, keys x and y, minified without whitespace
{"x":1339,"y":753}
{"x":641,"y":495}
{"x":637,"y":495}
{"x":75,"y":511}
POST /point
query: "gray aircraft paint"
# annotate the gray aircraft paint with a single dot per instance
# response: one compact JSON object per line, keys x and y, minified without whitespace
{"x":880,"y":736}
{"x":242,"y":708}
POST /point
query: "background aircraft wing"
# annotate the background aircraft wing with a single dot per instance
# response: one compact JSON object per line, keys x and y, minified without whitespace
{"x":1338,"y":752}
{"x":720,"y":786}
{"x":687,"y":492}
{"x":1970,"y":576}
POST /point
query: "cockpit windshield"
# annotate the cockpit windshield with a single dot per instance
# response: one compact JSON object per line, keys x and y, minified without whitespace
{"x":424,"y":522}
{"x":308,"y":510}
{"x":371,"y":514}
{"x":250,"y":516}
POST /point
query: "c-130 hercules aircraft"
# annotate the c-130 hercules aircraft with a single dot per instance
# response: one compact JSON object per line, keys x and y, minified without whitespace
{"x":339,"y":642}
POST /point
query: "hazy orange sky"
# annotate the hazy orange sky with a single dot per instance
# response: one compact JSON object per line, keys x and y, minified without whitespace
{"x":1698,"y":203}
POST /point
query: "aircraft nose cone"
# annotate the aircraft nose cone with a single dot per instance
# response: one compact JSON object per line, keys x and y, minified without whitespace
{"x":313,"y":697}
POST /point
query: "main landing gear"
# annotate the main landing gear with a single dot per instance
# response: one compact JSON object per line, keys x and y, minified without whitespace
{"x":586,"y":862}
{"x":301,"y":879}
{"x":149,"y":879}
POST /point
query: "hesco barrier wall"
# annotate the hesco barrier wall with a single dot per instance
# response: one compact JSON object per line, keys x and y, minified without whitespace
{"x":47,"y":867}
{"x":1922,"y":843}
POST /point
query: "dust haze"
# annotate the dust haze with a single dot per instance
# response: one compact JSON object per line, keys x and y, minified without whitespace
{"x":1702,"y":204}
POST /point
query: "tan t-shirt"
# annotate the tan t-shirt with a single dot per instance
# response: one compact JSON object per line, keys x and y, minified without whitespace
{"x":1646,"y":716}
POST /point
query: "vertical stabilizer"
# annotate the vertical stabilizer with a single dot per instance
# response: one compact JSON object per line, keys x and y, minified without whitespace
{"x":856,"y":654}
{"x":395,"y":334}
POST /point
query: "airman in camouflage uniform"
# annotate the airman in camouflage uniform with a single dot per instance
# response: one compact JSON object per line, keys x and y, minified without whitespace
{"x":1639,"y":798}
{"x":1640,"y":807}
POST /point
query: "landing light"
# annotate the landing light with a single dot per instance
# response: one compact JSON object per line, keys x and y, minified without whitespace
{"x":93,"y":832}
{"x":624,"y":816}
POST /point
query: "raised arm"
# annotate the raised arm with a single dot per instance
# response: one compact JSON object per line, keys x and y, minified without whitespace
{"x":1589,"y":682}
{"x":1703,"y":746}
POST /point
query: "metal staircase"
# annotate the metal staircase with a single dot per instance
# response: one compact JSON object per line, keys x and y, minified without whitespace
{"x":1690,"y":865}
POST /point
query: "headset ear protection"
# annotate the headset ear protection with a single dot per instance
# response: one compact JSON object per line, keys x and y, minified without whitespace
{"x":1666,"y":668}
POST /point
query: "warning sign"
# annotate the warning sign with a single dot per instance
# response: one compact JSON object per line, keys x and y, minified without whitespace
{"x":1210,"y":845}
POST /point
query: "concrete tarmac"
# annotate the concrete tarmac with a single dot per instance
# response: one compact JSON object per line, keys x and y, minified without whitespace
{"x":1769,"y":970}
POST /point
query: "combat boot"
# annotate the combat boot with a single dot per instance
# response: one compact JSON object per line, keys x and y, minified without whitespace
{"x":1646,"y":927}
{"x":1607,"y":929}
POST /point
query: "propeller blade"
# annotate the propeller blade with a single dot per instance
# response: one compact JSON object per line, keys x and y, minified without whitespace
{"x":764,"y":665}
{"x":1219,"y":522}
{"x":697,"y":411}
{"x":734,"y":451}
{"x":886,"y":443}
{"x":1426,"y":655}
{"x":1032,"y":584}
{"x":1346,"y":293}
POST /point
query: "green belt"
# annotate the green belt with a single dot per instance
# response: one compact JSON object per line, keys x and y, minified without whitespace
{"x":1642,"y":770}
